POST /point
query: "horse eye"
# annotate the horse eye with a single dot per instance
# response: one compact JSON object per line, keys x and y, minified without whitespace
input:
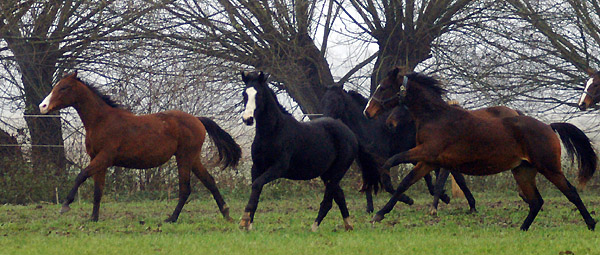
{"x":63,"y":88}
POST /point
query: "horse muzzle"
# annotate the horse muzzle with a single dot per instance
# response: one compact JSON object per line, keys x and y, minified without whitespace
{"x":248,"y":121}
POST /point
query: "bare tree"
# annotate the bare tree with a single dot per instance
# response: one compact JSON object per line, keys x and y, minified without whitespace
{"x":45,"y":38}
{"x":406,"y":31}
{"x":274,"y":36}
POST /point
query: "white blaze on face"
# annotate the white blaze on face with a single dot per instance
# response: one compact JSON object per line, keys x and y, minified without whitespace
{"x":44,"y":105}
{"x":585,"y":91}
{"x":250,"y":104}
{"x":369,"y":102}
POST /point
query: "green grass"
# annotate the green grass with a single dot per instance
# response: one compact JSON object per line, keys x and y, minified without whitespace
{"x":282,"y":226}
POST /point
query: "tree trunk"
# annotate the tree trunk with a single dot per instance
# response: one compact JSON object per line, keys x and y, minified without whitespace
{"x":397,"y":52}
{"x":37,"y":71}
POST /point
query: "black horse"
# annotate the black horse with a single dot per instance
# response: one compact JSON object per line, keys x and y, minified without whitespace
{"x":384,"y":140}
{"x":286,"y":148}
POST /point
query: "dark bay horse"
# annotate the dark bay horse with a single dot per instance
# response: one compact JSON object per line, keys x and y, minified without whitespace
{"x":117,"y":137}
{"x":286,"y":148}
{"x":456,"y":139}
{"x":377,"y":137}
{"x":398,"y":116}
{"x":591,"y":92}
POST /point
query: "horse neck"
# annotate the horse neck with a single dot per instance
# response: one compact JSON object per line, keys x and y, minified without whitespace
{"x":353,"y":117}
{"x":270,"y":118}
{"x":90,"y":108}
{"x":425,"y":105}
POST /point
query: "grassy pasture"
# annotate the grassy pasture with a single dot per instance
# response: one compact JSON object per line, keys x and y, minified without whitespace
{"x":282,"y":225}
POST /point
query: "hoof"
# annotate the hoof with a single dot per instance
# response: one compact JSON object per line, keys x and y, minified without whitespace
{"x":64,"y":209}
{"x":592,"y":225}
{"x":225,"y":213}
{"x":377,"y":218}
{"x":245,"y":223}
{"x":348,"y":225}
{"x":171,"y":220}
{"x":314,"y":227}
{"x":472,"y":211}
{"x":433,"y":211}
{"x":445,"y":198}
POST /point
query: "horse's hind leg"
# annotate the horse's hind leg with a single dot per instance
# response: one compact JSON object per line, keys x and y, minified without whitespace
{"x":340,"y":200}
{"x":326,"y":204}
{"x":525,"y":177}
{"x":369,"y":197}
{"x":559,"y":180}
{"x":208,"y":181}
{"x":431,"y":187}
{"x":439,"y":188}
{"x":462,"y":184}
{"x":99,"y":181}
{"x":183,"y":168}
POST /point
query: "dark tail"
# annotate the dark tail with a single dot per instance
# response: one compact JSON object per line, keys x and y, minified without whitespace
{"x":229,"y":151}
{"x":369,"y":168}
{"x":578,"y":144}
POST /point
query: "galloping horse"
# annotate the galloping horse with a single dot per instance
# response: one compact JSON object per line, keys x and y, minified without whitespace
{"x":456,"y":139}
{"x":591,"y":93}
{"x":116,"y":137}
{"x":377,"y":137}
{"x":398,"y":116}
{"x":286,"y":148}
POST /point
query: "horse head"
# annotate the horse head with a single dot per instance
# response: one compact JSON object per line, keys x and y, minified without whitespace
{"x":63,"y":94}
{"x":388,"y":94}
{"x":332,"y":103}
{"x":591,"y":93}
{"x":254,"y":92}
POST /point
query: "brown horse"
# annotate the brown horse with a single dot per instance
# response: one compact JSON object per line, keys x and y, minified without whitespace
{"x":116,"y":137}
{"x":453,"y":138}
{"x":591,"y":92}
{"x":398,"y":115}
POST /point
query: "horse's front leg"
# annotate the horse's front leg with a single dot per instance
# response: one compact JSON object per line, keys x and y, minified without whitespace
{"x":97,"y":166}
{"x":420,"y":170}
{"x":273,"y":173}
{"x":410,"y":156}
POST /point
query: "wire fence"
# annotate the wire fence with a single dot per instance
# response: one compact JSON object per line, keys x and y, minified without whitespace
{"x":61,"y":146}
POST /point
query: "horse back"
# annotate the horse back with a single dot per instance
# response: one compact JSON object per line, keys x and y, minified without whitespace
{"x":467,"y":141}
{"x":145,"y":141}
{"x":310,"y":148}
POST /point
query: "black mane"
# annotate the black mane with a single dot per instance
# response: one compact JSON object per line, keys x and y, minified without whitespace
{"x":283,"y":110}
{"x":104,"y":97}
{"x":427,"y":81}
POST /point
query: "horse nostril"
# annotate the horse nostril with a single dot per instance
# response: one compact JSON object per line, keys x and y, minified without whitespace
{"x":248,"y":121}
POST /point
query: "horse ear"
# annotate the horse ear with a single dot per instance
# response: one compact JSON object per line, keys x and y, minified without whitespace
{"x":244,"y":76}
{"x":263,"y":77}
{"x":74,"y":74}
{"x":590,"y":71}
{"x":394,"y":72}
